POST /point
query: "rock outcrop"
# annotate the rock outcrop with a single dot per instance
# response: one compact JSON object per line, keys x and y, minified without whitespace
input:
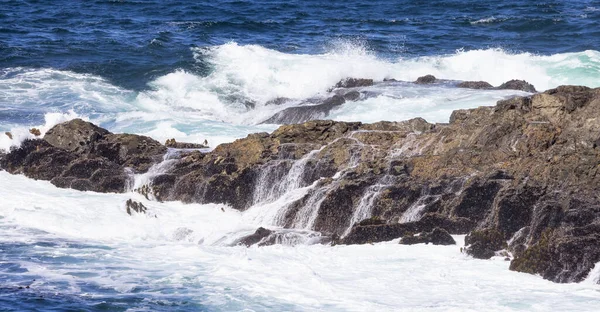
{"x":306,"y":112}
{"x":522,"y":175}
{"x":82,"y":156}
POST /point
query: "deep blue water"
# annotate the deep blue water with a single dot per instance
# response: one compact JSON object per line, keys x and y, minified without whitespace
{"x":132,"y":42}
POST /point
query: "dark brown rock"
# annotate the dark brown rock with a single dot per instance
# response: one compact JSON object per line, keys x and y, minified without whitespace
{"x":354,"y":83}
{"x":130,"y":150}
{"x":520,"y":85}
{"x":475,"y":85}
{"x":427,"y":79}
{"x":260,"y":234}
{"x":75,"y":135}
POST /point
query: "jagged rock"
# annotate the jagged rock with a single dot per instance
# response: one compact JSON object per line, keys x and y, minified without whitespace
{"x":254,"y":238}
{"x":525,"y":170}
{"x":354,"y":83}
{"x":436,"y":237}
{"x":75,"y":135}
{"x":304,"y":113}
{"x":130,"y":150}
{"x":134,"y":206}
{"x":474,"y":85}
{"x":36,"y":159}
{"x":482,"y":244}
{"x":427,"y":79}
{"x":520,"y":85}
{"x":79,"y":155}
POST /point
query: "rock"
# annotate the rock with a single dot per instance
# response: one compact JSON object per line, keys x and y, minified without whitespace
{"x":134,"y":206}
{"x":441,"y":237}
{"x":372,"y":221}
{"x":436,"y":237}
{"x":475,"y":85}
{"x":182,"y":145}
{"x":9,"y":135}
{"x":304,"y":113}
{"x":352,"y":96}
{"x":36,"y":159}
{"x":427,"y":79}
{"x":524,"y":171}
{"x":354,"y":83}
{"x":520,"y":85}
{"x":75,"y":135}
{"x":260,"y":234}
{"x":130,"y":150}
{"x":79,"y":155}
{"x":372,"y":233}
{"x":482,"y":244}
{"x":35,"y":131}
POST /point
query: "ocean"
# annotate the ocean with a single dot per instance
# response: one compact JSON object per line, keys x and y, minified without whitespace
{"x":197,"y":70}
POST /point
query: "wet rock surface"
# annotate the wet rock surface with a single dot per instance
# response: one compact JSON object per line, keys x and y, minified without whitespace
{"x":427,"y":79}
{"x":307,"y":112}
{"x":522,"y":175}
{"x":82,"y":156}
{"x":475,"y":85}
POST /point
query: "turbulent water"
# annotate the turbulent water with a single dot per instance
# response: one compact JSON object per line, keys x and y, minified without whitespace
{"x":195,"y":71}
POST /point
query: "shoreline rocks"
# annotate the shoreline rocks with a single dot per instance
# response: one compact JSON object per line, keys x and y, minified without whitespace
{"x":522,"y":175}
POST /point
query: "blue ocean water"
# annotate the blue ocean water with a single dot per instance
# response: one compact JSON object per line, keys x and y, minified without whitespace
{"x":133,"y":42}
{"x":188,"y":69}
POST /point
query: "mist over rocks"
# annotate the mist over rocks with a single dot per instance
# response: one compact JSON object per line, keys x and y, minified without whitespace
{"x":354,"y":89}
{"x":521,"y":176}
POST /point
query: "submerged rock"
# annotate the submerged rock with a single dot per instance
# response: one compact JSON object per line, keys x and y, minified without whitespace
{"x":253,"y":239}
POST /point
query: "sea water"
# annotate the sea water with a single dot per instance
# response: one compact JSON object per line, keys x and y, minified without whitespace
{"x":194,"y":71}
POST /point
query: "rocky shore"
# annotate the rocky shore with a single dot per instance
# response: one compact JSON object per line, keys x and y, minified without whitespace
{"x":520,"y":177}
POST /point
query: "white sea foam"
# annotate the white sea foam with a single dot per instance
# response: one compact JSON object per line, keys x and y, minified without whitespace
{"x":218,"y":107}
{"x":181,"y":251}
